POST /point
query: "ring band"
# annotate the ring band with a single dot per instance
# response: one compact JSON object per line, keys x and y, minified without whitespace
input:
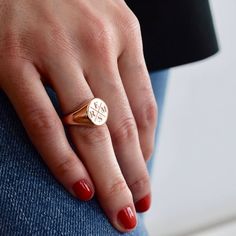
{"x":92,"y":113}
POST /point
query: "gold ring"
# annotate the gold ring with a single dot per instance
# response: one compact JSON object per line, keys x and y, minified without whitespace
{"x":93,"y":113}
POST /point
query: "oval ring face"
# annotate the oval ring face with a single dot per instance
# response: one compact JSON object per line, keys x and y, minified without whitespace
{"x":97,"y":111}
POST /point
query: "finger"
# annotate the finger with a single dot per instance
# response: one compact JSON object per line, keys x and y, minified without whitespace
{"x":123,"y":129}
{"x":26,"y":92}
{"x":138,"y":88}
{"x":95,"y":147}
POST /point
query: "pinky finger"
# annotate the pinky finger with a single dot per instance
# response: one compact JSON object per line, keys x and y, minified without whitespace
{"x":24,"y":88}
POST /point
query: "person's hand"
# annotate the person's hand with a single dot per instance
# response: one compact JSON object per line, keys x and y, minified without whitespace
{"x":83,"y":49}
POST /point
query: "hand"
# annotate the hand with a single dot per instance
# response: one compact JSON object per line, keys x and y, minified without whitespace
{"x":83,"y":49}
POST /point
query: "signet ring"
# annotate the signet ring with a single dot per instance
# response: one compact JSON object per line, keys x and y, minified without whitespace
{"x":92,"y":113}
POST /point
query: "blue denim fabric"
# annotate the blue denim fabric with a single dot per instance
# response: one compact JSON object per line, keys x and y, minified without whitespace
{"x":32,"y":202}
{"x":159,"y":81}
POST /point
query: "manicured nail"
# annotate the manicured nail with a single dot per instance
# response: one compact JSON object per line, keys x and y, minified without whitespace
{"x":143,"y":204}
{"x":82,"y":190}
{"x":126,"y":218}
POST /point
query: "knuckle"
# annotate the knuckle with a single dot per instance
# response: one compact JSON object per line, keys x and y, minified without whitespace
{"x":128,"y":22}
{"x":139,"y":184}
{"x":102,"y":36}
{"x":41,"y":123}
{"x":113,"y":81}
{"x":126,"y":131}
{"x":131,"y":25}
{"x":65,"y":166}
{"x":117,"y":187}
{"x":148,"y":116}
{"x":104,"y":44}
{"x":95,"y":136}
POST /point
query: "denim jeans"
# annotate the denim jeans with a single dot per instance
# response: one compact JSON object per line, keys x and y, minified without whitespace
{"x":32,"y":202}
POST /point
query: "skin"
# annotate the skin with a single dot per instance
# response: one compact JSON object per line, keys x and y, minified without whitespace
{"x":82,"y":49}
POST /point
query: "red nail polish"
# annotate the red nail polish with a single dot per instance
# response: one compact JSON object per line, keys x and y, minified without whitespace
{"x":127,"y":218}
{"x":82,"y":190}
{"x":143,"y":204}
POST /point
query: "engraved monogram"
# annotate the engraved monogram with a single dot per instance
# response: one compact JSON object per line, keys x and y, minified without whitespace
{"x":97,"y":111}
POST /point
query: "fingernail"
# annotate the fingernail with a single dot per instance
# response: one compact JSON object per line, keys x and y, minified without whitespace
{"x":82,"y":190}
{"x":126,"y":218}
{"x":143,"y":204}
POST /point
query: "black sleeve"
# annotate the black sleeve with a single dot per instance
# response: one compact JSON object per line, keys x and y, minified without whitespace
{"x":175,"y":32}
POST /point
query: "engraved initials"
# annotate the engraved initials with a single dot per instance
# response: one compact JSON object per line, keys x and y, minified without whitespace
{"x":92,"y":113}
{"x":98,"y":111}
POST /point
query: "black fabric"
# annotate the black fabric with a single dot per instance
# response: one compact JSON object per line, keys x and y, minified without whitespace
{"x":175,"y":32}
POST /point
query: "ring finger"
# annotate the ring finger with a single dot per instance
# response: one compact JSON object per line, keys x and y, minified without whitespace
{"x":123,"y":129}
